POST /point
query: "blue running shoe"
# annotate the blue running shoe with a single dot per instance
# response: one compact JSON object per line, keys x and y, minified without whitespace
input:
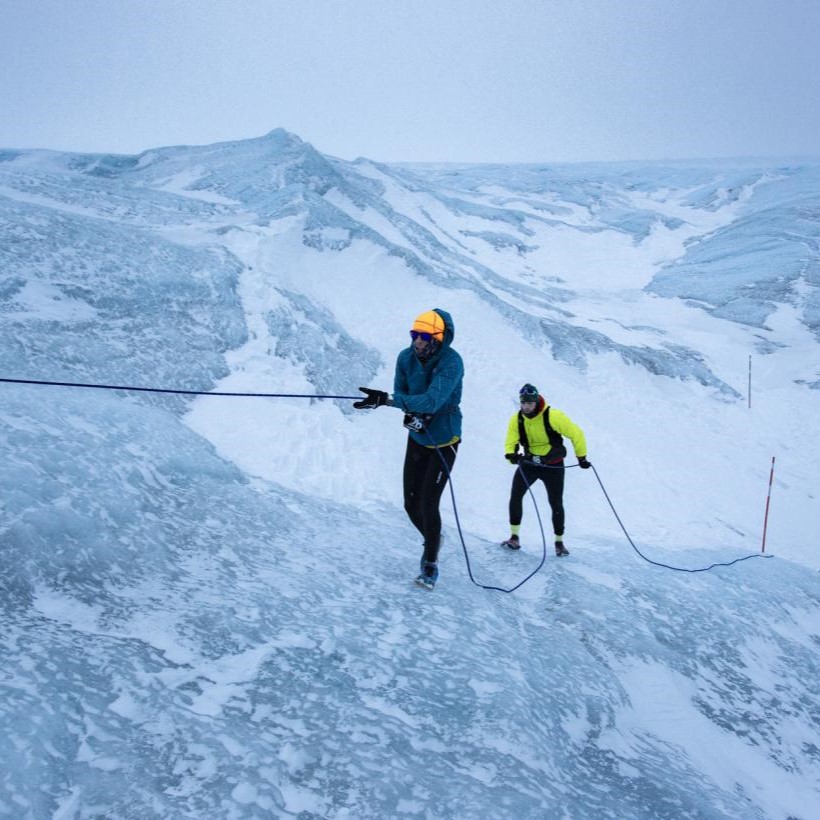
{"x":428,"y":575}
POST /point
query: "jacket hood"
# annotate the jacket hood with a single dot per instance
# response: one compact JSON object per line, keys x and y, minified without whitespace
{"x":449,"y":327}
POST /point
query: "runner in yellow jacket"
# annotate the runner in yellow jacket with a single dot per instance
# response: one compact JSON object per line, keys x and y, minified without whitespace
{"x":535,"y":443}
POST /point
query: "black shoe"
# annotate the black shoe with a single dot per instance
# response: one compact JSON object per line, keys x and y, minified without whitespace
{"x":512,"y":543}
{"x":560,"y":549}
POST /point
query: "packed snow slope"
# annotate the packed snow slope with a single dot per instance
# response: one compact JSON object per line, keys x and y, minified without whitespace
{"x":207,"y":602}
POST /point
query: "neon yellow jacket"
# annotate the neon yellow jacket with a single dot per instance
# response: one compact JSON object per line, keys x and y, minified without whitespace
{"x":539,"y":443}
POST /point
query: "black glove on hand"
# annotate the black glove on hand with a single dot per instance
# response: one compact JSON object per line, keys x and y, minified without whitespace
{"x":583,"y":463}
{"x":513,"y":458}
{"x":373,"y":398}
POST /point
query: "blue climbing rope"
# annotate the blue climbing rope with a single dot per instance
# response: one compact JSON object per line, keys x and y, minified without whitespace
{"x":177,"y":392}
{"x":659,"y":563}
{"x":543,"y":537}
{"x":461,"y":534}
{"x":443,"y":461}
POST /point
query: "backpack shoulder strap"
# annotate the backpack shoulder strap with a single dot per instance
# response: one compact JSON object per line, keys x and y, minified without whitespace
{"x":555,"y":438}
{"x":522,"y":434}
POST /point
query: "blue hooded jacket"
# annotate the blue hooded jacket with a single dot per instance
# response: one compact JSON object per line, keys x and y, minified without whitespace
{"x":432,"y":387}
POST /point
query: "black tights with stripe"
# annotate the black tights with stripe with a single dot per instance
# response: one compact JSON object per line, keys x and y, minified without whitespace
{"x":553,"y":478}
{"x":424,"y":481}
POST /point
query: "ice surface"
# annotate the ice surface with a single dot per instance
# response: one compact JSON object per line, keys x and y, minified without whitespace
{"x":207,"y":604}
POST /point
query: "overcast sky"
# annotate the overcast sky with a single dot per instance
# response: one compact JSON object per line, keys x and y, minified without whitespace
{"x":423,"y":80}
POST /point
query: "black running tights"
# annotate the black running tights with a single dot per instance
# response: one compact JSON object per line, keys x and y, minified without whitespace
{"x":553,"y":478}
{"x":424,"y":482}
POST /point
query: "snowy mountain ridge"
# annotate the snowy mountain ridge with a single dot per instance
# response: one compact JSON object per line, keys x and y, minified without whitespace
{"x":206,"y":603}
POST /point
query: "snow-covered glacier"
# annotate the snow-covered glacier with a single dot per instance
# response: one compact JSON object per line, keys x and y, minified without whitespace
{"x":207,"y":604}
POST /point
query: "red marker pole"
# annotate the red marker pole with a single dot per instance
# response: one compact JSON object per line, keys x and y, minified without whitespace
{"x":768,"y":498}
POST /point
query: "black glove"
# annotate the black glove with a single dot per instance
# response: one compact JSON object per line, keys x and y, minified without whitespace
{"x":373,"y":398}
{"x":513,"y":458}
{"x":583,"y":463}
